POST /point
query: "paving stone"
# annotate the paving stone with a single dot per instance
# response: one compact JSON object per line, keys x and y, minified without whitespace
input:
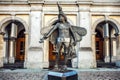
{"x":42,"y":75}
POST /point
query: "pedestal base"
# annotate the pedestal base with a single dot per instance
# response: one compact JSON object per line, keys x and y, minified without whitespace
{"x":66,"y":75}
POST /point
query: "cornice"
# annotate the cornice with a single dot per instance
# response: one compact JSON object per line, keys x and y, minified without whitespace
{"x":36,"y":1}
{"x":78,"y":2}
{"x":13,"y":2}
{"x":106,"y":3}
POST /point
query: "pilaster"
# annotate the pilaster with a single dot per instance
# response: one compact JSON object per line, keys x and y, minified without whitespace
{"x":26,"y":50}
{"x":94,"y":49}
{"x":1,"y":49}
{"x":84,"y":16}
{"x":86,"y":56}
{"x":34,"y":55}
{"x":36,"y":24}
{"x":118,"y":52}
{"x":5,"y":55}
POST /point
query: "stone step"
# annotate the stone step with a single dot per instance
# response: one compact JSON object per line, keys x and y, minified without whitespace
{"x":105,"y":65}
{"x":16,"y":65}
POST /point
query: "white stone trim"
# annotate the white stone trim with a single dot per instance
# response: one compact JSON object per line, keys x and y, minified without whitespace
{"x":7,"y":20}
{"x":103,"y":19}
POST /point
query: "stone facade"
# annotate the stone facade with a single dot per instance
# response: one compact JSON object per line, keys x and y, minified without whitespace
{"x":36,"y":14}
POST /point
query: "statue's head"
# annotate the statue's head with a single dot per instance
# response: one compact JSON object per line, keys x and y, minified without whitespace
{"x":61,"y":15}
{"x":62,"y":18}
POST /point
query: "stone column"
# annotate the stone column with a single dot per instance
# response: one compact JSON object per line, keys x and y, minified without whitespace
{"x":106,"y":41}
{"x":11,"y":55}
{"x":106,"y":49}
{"x":5,"y":50}
{"x":13,"y":36}
{"x":114,"y":49}
{"x":106,"y":30}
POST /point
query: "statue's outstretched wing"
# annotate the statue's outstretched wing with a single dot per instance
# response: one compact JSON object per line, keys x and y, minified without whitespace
{"x":53,"y":36}
{"x":79,"y":32}
{"x":45,"y":30}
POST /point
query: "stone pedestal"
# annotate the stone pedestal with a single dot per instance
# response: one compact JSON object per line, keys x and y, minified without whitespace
{"x":66,"y":75}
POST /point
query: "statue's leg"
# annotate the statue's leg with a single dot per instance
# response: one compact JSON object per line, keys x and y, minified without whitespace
{"x":65,"y":62}
{"x":66,"y":51}
{"x":58,"y":48}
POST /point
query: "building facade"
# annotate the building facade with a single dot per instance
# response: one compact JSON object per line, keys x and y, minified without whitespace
{"x":21,"y":22}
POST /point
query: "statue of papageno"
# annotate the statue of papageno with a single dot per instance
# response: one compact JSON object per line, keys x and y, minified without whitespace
{"x":64,"y":37}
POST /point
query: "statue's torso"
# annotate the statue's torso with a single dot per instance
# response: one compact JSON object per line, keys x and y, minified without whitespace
{"x":63,"y":33}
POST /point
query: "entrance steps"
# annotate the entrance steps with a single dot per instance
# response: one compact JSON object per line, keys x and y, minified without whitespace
{"x":41,"y":74}
{"x":106,"y":65}
{"x":16,"y":65}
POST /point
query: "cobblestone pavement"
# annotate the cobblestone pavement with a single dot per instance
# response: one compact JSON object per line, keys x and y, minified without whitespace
{"x":83,"y":74}
{"x":103,"y":75}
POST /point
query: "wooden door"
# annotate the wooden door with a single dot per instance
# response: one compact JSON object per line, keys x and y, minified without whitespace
{"x":99,"y":49}
{"x":20,"y":51}
{"x":52,"y":56}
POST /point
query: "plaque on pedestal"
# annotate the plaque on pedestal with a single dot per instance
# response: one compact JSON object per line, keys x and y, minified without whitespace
{"x":65,"y":75}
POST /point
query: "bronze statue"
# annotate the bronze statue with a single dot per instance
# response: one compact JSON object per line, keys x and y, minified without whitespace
{"x":64,"y":36}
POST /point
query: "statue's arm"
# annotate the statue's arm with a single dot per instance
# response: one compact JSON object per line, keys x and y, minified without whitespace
{"x":48,"y":34}
{"x":51,"y":31}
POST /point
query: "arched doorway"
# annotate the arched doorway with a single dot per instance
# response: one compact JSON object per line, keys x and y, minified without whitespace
{"x":14,"y":45}
{"x":106,"y":39}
